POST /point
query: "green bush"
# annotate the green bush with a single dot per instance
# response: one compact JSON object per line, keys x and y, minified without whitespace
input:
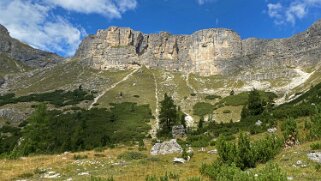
{"x":245,"y":154}
{"x":80,"y":157}
{"x":289,"y":128}
{"x":315,"y":146}
{"x":212,"y":97}
{"x":222,"y":172}
{"x":315,"y":129}
{"x":198,"y":140}
{"x":58,"y":98}
{"x":226,"y":111}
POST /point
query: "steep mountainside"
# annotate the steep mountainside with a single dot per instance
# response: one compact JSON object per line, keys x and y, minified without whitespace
{"x":29,"y":56}
{"x":206,"y":52}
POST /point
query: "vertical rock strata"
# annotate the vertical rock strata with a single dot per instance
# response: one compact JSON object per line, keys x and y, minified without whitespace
{"x":206,"y":52}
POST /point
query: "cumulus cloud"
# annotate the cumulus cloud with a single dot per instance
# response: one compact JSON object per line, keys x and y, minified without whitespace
{"x":290,"y":13}
{"x":34,"y":21}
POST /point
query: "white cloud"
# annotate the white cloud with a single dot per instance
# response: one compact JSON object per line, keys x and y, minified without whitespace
{"x":290,"y":13}
{"x":107,"y":8}
{"x":34,"y":22}
{"x":201,"y":2}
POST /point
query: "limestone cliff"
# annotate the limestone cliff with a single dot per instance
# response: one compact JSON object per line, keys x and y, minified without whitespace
{"x":207,"y":52}
{"x":24,"y":53}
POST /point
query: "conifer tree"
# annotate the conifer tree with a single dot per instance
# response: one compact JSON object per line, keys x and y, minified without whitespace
{"x":168,"y":114}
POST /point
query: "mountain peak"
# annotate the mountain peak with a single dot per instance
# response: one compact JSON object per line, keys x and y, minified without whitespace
{"x":3,"y":30}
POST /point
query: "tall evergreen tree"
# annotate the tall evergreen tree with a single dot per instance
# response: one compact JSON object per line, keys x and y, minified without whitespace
{"x":255,"y":105}
{"x":168,"y":114}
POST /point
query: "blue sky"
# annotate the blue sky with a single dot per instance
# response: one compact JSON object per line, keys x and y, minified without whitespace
{"x":60,"y":25}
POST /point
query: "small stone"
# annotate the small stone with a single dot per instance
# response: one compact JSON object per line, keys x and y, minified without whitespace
{"x":83,"y":173}
{"x":299,"y":162}
{"x":258,"y":123}
{"x":179,"y":160}
{"x":212,"y":151}
{"x":272,"y":130}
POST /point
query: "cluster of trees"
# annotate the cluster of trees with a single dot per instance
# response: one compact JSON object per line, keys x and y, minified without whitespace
{"x":256,"y":104}
{"x":58,"y":98}
{"x":57,"y":131}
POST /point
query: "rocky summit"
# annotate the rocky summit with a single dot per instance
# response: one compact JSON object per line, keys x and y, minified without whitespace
{"x":206,"y":52}
{"x":25,"y":53}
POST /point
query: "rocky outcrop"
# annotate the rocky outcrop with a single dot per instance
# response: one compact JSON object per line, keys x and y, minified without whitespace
{"x":167,"y":147}
{"x":207,"y":52}
{"x":12,"y":114}
{"x":24,"y":53}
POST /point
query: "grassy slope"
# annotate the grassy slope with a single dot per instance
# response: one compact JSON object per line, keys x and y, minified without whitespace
{"x":8,"y":66}
{"x":101,"y":165}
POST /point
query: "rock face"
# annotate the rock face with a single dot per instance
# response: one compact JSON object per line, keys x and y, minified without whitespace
{"x":207,"y":52}
{"x":24,"y":53}
{"x":178,"y":131}
{"x":167,"y":147}
{"x":12,"y":115}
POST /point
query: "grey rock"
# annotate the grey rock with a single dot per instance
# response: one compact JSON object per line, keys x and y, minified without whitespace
{"x":206,"y":52}
{"x":167,"y":147}
{"x":258,"y":123}
{"x":178,"y":131}
{"x":25,"y":53}
{"x":12,"y":115}
{"x":272,"y":130}
{"x":315,"y":156}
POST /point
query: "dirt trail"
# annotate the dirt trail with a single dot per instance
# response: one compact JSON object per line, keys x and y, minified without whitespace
{"x":155,"y":125}
{"x":111,"y":87}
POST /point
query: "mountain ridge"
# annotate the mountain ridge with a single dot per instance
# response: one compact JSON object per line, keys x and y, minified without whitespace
{"x":24,"y":53}
{"x":206,"y":52}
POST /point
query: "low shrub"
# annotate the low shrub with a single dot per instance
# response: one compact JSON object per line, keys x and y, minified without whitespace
{"x":212,"y":97}
{"x":315,"y":146}
{"x":80,"y":157}
{"x":221,"y":172}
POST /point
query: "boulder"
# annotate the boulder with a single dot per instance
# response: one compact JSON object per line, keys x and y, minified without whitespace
{"x":258,"y":123}
{"x":167,"y":147}
{"x":315,"y":156}
{"x":178,"y":131}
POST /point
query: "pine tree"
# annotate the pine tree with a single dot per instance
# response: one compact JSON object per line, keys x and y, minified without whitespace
{"x":168,"y":114}
{"x":201,"y":123}
{"x":183,"y":122}
{"x":255,"y":105}
{"x":35,"y":133}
